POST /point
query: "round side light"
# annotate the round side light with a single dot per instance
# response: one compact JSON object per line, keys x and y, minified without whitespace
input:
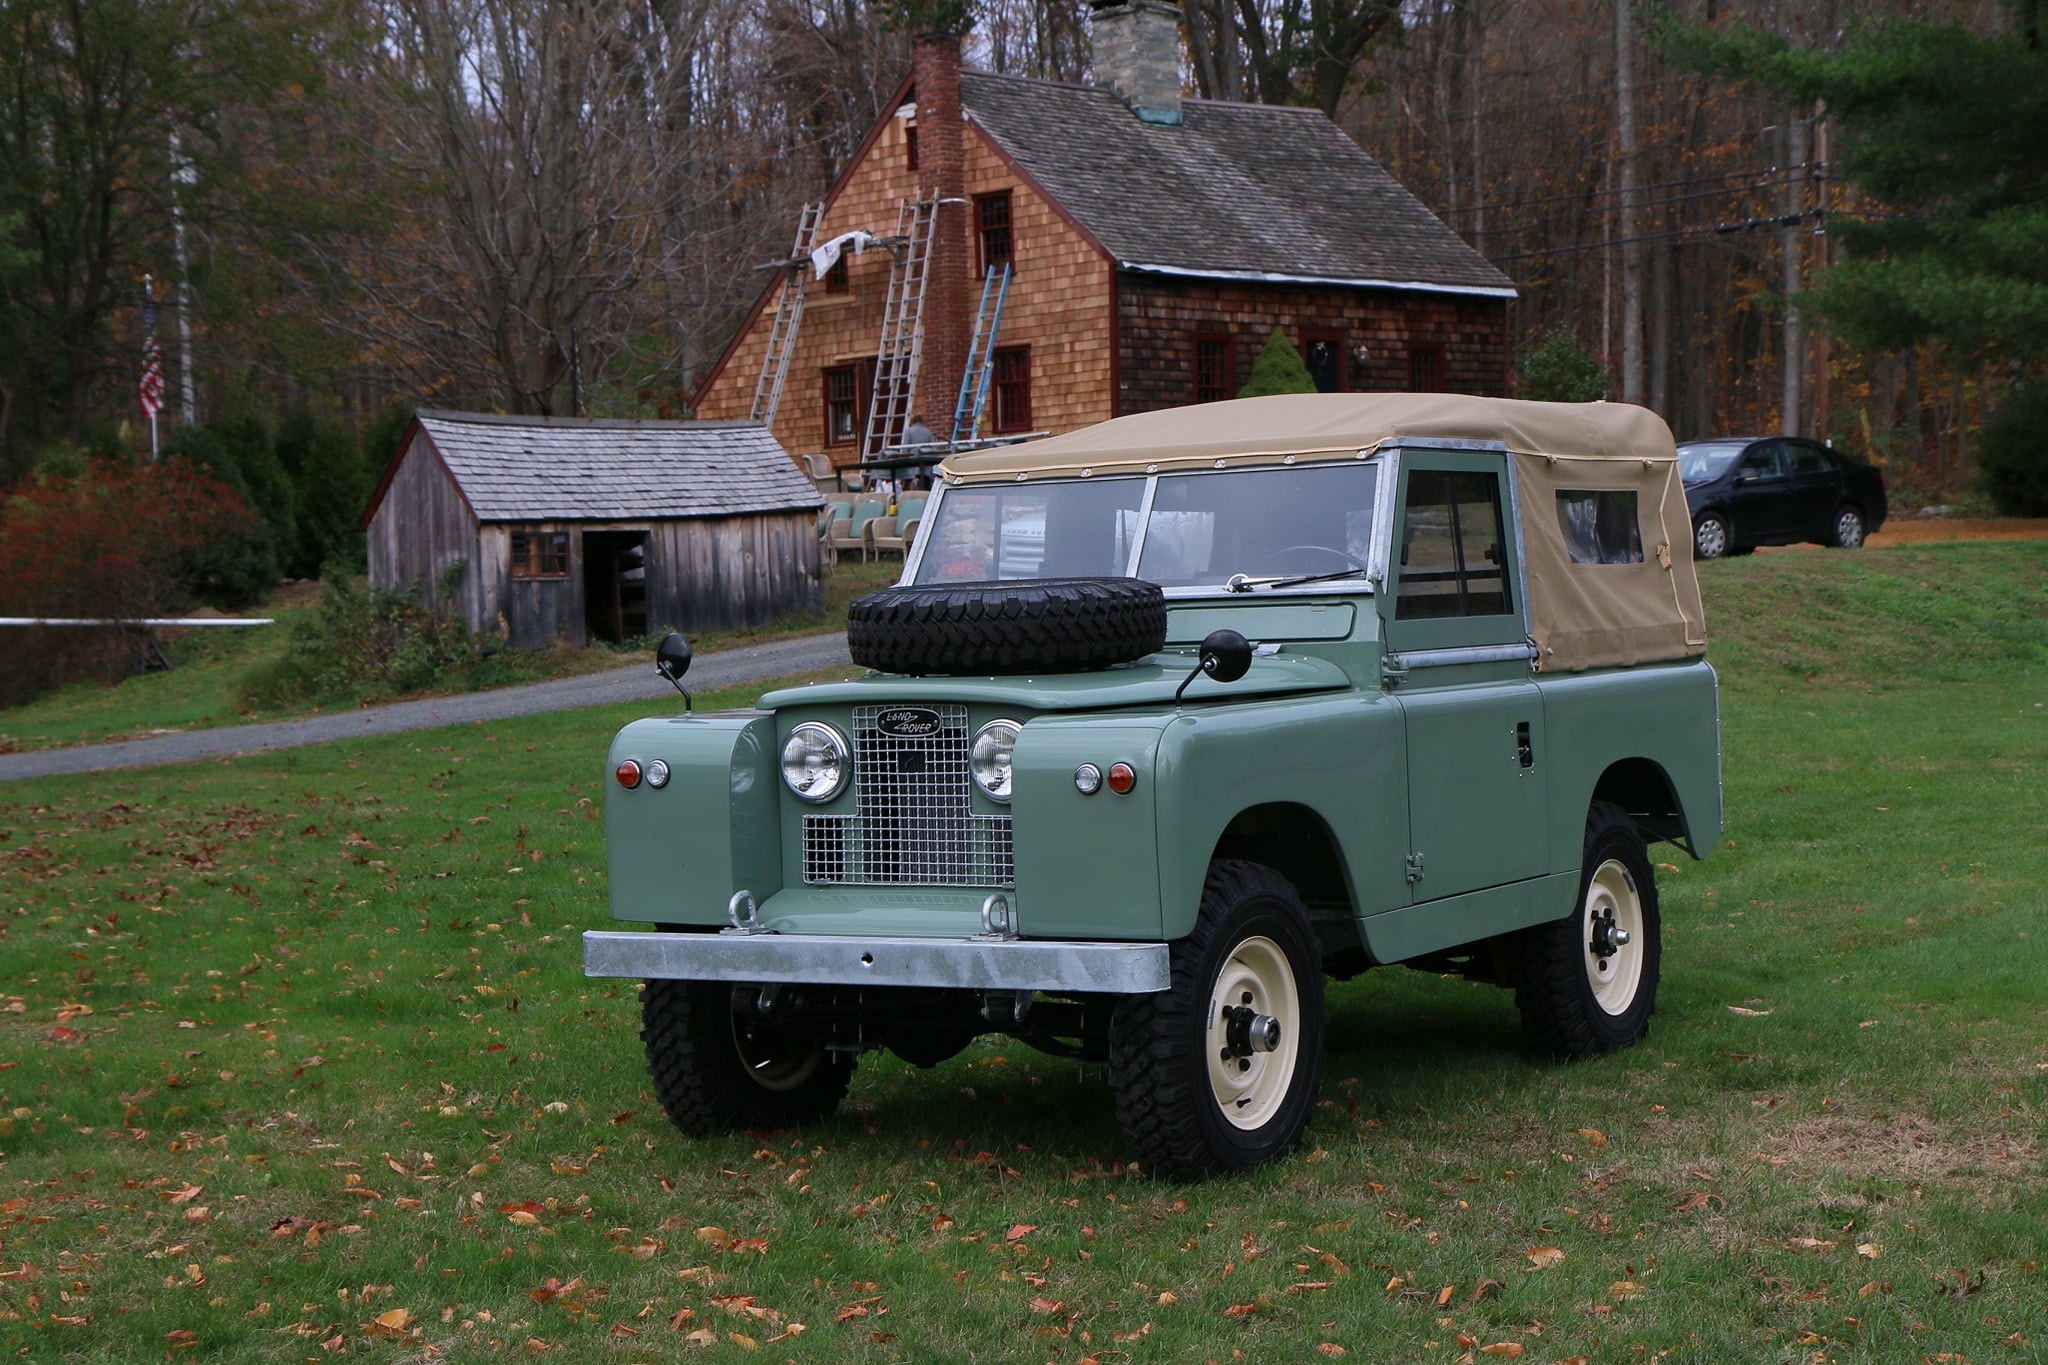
{"x":628,"y":773}
{"x":1087,"y":779}
{"x":1122,"y":777}
{"x":815,"y":761}
{"x":657,"y":773}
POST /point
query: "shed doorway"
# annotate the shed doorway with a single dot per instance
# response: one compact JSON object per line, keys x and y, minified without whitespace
{"x":615,"y":585}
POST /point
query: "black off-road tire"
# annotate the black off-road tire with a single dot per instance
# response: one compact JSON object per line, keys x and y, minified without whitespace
{"x":1171,"y":1109}
{"x":1041,"y":625}
{"x":1574,"y":1001}
{"x":704,"y":1080}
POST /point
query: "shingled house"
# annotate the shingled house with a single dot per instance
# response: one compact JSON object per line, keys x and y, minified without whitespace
{"x":1156,"y":242}
{"x":577,"y":529}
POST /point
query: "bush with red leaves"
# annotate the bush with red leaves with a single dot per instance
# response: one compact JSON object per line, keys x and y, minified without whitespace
{"x":118,"y":541}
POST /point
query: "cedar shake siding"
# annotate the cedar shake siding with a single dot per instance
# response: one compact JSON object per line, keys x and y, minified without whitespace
{"x":1129,"y":238}
{"x":1160,"y":317}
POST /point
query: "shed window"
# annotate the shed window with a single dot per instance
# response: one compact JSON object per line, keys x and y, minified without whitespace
{"x":1600,"y":527}
{"x":1215,"y":370}
{"x":540,"y":554}
{"x":1013,"y":389}
{"x":1453,"y":551}
{"x":992,"y":234}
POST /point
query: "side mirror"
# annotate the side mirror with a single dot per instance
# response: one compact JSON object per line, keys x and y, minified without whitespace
{"x":672,"y":660}
{"x":1226,"y":656}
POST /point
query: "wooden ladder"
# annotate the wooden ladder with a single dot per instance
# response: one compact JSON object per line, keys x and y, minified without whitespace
{"x":981,"y":357}
{"x":902,"y":344}
{"x":789,"y":311}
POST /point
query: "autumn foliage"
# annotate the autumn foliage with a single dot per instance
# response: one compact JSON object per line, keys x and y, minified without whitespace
{"x":119,"y":541}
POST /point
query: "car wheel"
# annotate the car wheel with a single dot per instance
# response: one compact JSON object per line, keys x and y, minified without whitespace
{"x":1710,"y":537}
{"x":716,"y":1070}
{"x":1587,"y":983}
{"x":1847,"y":532}
{"x":1218,"y":1071}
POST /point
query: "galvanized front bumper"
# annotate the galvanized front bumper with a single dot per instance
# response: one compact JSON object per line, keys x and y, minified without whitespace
{"x":998,"y":964}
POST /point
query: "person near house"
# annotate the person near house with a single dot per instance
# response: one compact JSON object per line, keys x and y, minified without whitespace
{"x":917,"y":433}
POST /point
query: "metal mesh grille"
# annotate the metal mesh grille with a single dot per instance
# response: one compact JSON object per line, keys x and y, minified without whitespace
{"x":915,"y":824}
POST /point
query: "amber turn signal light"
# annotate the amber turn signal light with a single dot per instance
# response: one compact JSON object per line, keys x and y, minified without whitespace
{"x":628,"y":773}
{"x":1122,"y":777}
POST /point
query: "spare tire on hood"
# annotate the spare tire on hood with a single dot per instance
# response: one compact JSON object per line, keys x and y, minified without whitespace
{"x":1034,"y":625}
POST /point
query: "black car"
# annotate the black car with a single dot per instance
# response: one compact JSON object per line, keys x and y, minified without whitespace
{"x":1746,"y":491}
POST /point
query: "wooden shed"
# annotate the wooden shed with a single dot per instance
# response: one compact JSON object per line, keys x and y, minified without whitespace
{"x":574,"y":529}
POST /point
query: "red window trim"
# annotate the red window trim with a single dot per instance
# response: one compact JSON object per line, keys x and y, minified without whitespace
{"x":836,"y":279}
{"x":981,"y":231}
{"x":1436,"y":361}
{"x":852,"y":372}
{"x":1001,"y":410}
{"x":1227,"y":384}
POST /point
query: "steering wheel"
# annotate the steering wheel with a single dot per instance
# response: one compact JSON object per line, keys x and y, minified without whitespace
{"x":1331,"y":550}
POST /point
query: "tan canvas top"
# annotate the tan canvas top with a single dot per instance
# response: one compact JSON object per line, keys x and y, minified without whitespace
{"x":1581,"y":615}
{"x":1258,"y":430}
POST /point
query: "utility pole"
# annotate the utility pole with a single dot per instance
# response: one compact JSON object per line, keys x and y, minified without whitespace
{"x":183,"y":174}
{"x":1793,"y":252}
{"x":1631,"y":246}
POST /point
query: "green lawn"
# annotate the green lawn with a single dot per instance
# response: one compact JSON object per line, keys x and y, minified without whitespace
{"x":296,"y":1059}
{"x":202,"y":688}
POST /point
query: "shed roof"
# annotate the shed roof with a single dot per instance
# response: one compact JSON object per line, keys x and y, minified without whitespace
{"x":1267,"y":430}
{"x":584,"y":469}
{"x":1237,"y":191}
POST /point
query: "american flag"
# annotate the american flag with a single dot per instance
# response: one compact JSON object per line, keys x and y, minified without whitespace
{"x":150,"y":392}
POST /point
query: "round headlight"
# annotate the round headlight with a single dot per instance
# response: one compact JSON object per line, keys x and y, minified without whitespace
{"x":815,"y":761}
{"x":993,"y":745}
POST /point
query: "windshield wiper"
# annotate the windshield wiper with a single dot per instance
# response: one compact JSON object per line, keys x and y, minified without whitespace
{"x":1238,"y":582}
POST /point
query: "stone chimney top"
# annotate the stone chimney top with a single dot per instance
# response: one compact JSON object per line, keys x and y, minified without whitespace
{"x":1137,"y":55}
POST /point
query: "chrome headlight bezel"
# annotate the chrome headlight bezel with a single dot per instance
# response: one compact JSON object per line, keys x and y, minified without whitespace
{"x":796,"y":758}
{"x":990,"y":759}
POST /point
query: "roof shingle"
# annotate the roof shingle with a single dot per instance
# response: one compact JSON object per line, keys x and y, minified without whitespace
{"x":568,"y":469}
{"x":1242,"y":191}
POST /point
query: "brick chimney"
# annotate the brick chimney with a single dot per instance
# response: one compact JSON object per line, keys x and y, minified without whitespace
{"x":1137,"y":55}
{"x":942,"y":170}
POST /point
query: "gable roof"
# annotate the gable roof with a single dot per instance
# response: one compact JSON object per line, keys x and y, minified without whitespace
{"x":1237,"y":191}
{"x":584,"y":469}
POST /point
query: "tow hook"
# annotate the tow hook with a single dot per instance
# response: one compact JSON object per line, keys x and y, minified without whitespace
{"x":1246,"y":1031}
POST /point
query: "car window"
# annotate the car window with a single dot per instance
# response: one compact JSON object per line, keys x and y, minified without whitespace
{"x":1809,"y":459}
{"x":1453,"y":554}
{"x":1705,"y":461}
{"x":1765,"y":462}
{"x":1070,"y":529}
{"x":1311,"y":519}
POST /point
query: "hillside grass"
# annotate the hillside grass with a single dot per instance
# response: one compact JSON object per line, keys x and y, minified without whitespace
{"x":296,"y":1059}
{"x":208,"y":684}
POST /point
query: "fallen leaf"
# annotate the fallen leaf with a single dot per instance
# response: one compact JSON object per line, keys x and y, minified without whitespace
{"x":1593,"y":1136}
{"x":1808,"y":1244}
{"x":1544,"y":1257}
{"x":1626,"y":1289}
{"x":1020,"y":1230}
{"x":1869,"y":1251}
{"x":1330,"y":1349}
{"x":1167,"y":1298}
{"x":1047,"y":1305}
{"x":1747,"y":1013}
{"x":1507,"y":1350}
{"x":523,"y":1218}
{"x":1485,"y":1289}
{"x":394,"y":1323}
{"x":1240,"y":1310}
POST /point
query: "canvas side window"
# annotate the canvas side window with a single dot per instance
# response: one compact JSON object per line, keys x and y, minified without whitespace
{"x":1453,"y":554}
{"x":1600,"y":527}
{"x":540,"y":554}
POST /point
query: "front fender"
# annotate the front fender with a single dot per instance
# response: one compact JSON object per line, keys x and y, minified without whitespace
{"x":676,"y":854}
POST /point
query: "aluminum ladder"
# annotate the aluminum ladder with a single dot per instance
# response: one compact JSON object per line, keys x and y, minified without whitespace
{"x":901,"y":348}
{"x":981,"y":357}
{"x":789,"y":311}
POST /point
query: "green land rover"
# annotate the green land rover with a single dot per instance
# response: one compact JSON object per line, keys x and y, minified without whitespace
{"x":1167,"y":721}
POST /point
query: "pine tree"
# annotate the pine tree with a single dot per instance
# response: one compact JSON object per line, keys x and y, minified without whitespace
{"x":1277,"y":370}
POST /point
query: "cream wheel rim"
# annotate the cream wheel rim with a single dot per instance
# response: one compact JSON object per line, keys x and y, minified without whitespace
{"x":1250,"y":1085}
{"x":1611,"y":927}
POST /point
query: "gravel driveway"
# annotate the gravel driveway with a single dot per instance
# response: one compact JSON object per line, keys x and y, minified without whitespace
{"x":636,"y":682}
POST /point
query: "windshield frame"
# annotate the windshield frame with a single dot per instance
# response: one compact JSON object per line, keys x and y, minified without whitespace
{"x":1367,"y":581}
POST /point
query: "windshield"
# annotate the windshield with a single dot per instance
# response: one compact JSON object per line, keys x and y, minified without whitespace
{"x":1705,"y":461}
{"x":1203,"y":529}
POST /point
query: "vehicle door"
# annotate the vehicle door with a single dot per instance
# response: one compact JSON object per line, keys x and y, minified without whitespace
{"x":1458,"y":659}
{"x":1759,"y":502}
{"x":1814,"y":489}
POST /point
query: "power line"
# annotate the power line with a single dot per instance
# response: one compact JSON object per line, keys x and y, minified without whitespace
{"x":1741,"y":226}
